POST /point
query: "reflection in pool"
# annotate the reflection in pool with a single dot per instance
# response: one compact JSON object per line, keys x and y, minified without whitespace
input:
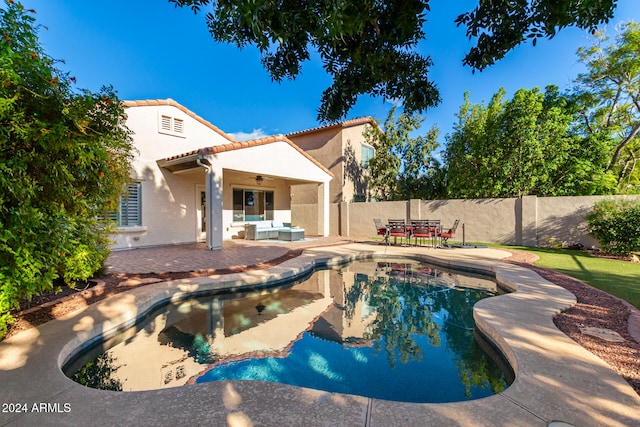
{"x":393,"y":329}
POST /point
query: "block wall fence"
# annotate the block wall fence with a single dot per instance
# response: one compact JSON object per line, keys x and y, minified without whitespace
{"x":527,"y":221}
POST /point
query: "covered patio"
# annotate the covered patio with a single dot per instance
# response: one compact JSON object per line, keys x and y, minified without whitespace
{"x":244,"y":182}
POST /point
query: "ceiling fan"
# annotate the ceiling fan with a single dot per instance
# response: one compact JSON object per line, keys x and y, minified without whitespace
{"x":261,"y":178}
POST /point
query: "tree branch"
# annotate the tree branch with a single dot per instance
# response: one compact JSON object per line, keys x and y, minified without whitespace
{"x":614,"y":106}
{"x":624,"y":143}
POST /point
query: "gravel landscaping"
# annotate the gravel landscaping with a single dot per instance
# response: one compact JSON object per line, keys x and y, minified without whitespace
{"x":598,"y":309}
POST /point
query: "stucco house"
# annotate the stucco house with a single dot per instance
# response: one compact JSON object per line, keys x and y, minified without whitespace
{"x":192,"y":182}
{"x":342,"y":149}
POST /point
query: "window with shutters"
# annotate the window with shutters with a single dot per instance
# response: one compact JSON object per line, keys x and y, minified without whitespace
{"x":171,"y":126}
{"x":129,"y":213}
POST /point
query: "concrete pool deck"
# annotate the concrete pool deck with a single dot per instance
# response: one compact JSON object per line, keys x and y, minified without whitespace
{"x":556,"y":379}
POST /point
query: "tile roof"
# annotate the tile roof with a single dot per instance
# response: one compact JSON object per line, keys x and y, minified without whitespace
{"x":248,"y":144}
{"x":342,"y":125}
{"x":233,"y":144}
{"x":171,"y":102}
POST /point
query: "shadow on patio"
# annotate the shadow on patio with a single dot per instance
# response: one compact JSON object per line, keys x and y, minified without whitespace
{"x":235,"y":254}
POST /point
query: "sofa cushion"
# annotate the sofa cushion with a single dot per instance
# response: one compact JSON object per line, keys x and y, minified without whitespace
{"x":263,"y":224}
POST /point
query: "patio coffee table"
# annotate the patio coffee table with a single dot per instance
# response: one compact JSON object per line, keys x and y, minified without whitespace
{"x":291,"y":234}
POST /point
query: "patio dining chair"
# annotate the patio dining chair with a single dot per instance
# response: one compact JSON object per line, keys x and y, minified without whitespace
{"x":436,"y":228}
{"x":450,"y":233}
{"x":381,"y":230}
{"x":420,"y":229}
{"x":397,"y":228}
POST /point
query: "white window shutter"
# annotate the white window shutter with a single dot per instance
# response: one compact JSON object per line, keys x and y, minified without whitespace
{"x":130,"y":206}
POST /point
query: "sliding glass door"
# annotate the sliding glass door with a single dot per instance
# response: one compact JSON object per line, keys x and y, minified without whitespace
{"x":252,"y":205}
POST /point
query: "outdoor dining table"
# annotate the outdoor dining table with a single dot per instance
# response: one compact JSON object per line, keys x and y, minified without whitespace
{"x":407,"y":229}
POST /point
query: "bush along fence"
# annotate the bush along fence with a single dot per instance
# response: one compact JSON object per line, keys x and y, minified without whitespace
{"x":616,"y":224}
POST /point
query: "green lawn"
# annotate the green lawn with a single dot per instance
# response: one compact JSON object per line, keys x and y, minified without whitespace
{"x":618,"y":278}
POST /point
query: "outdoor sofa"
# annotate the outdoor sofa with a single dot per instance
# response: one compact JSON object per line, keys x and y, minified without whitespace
{"x":272,"y":230}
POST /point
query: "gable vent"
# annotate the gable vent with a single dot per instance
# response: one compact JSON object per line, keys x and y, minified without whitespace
{"x":171,"y":126}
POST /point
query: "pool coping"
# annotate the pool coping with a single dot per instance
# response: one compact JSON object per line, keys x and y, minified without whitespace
{"x":556,"y":379}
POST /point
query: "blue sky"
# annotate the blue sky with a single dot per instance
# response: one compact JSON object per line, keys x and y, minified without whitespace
{"x":147,"y":49}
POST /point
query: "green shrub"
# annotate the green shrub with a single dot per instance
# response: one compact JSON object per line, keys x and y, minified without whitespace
{"x":616,"y":224}
{"x":64,"y":156}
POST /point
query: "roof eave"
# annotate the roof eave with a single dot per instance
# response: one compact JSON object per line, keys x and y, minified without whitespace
{"x":182,"y":163}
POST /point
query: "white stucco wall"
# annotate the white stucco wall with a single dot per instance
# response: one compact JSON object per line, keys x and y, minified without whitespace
{"x":277,"y":159}
{"x":168,"y":200}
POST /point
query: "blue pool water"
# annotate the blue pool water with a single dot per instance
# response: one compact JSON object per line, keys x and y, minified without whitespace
{"x":389,"y":329}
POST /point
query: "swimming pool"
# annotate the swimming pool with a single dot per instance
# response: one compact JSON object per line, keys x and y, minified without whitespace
{"x":393,"y":329}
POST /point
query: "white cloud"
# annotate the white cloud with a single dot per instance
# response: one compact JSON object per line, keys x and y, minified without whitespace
{"x":396,"y":102}
{"x":247,"y":136}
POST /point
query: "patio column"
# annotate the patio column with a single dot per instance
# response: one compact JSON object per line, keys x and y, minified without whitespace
{"x":214,"y":206}
{"x":323,"y":209}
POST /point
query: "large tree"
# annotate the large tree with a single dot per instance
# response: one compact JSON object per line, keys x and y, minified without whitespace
{"x":404,"y":166}
{"x":609,"y":96}
{"x":522,"y":146}
{"x":371,"y":46}
{"x":499,"y":26}
{"x":64,"y":156}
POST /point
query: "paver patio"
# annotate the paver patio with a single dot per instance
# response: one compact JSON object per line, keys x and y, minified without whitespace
{"x":194,"y":257}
